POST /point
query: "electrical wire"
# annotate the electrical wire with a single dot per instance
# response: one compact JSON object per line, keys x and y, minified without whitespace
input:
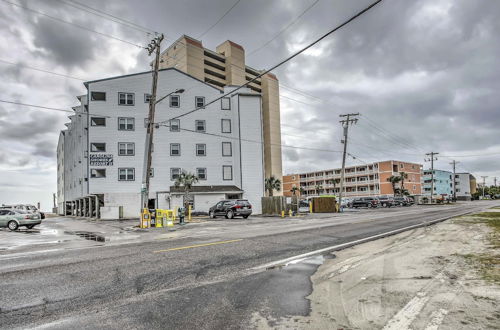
{"x":73,"y":24}
{"x":338,"y":27}
{"x":220,"y":19}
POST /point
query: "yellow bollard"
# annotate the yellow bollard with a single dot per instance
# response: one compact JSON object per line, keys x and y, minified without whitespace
{"x":282,"y":213}
{"x":310,"y":207}
{"x":189,"y":212}
{"x":290,"y":213}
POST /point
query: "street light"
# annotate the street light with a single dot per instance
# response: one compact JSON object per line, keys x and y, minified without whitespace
{"x":179,"y":91}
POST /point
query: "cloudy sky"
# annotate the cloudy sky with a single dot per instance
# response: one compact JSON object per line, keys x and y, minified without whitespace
{"x":423,"y":74}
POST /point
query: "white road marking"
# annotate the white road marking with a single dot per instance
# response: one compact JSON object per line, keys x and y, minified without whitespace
{"x":403,"y":319}
{"x":437,"y":317}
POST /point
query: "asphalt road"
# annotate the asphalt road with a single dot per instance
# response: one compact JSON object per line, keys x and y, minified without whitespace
{"x":204,"y":280}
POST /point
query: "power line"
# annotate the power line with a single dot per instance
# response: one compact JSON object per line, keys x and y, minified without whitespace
{"x":54,"y":109}
{"x":220,"y":19}
{"x":354,"y":17}
{"x":107,"y":16}
{"x":41,"y":70}
{"x":73,"y":24}
{"x":284,"y":29}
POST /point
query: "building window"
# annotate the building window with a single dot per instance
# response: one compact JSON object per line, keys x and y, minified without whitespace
{"x":174,"y":173}
{"x":199,"y":101}
{"x":126,"y":148}
{"x":151,"y":172}
{"x":175,"y":149}
{"x":98,"y":147}
{"x":98,"y":96}
{"x":414,"y":187}
{"x":226,"y":125}
{"x":199,"y":125}
{"x":126,"y":124}
{"x":201,"y":149}
{"x":201,"y":173}
{"x":175,"y":101}
{"x":225,"y":103}
{"x":98,"y":173}
{"x":175,"y":125}
{"x":125,"y":98}
{"x":126,"y":174}
{"x":227,"y":172}
{"x":97,"y":121}
{"x":147,"y":98}
{"x":227,"y":149}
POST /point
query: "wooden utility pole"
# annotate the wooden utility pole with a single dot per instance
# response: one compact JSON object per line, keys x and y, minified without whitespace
{"x":454,"y":163}
{"x":350,"y":118}
{"x":432,"y":159}
{"x":484,"y":182}
{"x":154,"y":46}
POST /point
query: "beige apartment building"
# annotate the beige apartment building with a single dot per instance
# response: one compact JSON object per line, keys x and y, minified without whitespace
{"x":225,"y":67}
{"x":361,"y":180}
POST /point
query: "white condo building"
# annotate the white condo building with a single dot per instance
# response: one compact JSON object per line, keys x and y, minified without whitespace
{"x":100,"y":155}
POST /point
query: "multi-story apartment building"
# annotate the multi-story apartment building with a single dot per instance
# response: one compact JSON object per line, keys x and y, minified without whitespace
{"x":290,"y":181}
{"x":101,"y":153}
{"x":225,"y":67}
{"x":443,"y":182}
{"x":465,"y":186}
{"x":361,"y":180}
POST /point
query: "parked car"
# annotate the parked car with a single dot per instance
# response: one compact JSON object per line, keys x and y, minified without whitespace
{"x":26,"y":208}
{"x":404,"y":201}
{"x":231,"y":209}
{"x":387,"y":201}
{"x":14,"y":218}
{"x":364,"y":202}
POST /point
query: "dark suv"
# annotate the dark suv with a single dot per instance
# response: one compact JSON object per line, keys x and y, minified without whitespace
{"x":364,"y":202}
{"x":231,"y":209}
{"x":387,"y":201}
{"x":403,"y":201}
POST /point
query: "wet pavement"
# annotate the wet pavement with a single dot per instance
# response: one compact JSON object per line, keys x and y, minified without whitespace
{"x":202,"y":276}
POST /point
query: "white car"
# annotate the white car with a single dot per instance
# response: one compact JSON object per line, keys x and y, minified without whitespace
{"x":26,"y":208}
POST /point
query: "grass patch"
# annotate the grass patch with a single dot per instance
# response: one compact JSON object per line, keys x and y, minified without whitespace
{"x":487,"y":263}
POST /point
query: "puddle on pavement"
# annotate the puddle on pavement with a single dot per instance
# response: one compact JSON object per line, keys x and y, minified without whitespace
{"x":91,"y":236}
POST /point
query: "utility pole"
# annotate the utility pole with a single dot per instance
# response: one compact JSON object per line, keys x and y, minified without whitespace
{"x":154,"y":46}
{"x":495,"y":181}
{"x":454,"y":163}
{"x":350,"y":118}
{"x":484,"y":182}
{"x":432,"y":159}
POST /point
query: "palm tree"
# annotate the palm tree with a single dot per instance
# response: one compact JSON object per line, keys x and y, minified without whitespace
{"x":393,"y":179}
{"x":318,"y":188}
{"x":294,"y":190}
{"x":302,"y":190}
{"x":186,"y":180}
{"x":403,"y":176}
{"x":272,"y":184}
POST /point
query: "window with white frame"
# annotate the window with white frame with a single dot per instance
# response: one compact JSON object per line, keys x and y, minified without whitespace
{"x":174,"y":173}
{"x":199,"y":125}
{"x":199,"y":101}
{"x":126,"y":124}
{"x":201,"y":149}
{"x":125,"y":98}
{"x":175,"y":125}
{"x":97,"y":172}
{"x":175,"y":149}
{"x":97,"y":121}
{"x":227,"y":172}
{"x":147,"y":98}
{"x":126,"y":174}
{"x":201,"y":173}
{"x":227,"y":149}
{"x":226,"y":125}
{"x":225,"y":103}
{"x":175,"y":101}
{"x":98,"y":147}
{"x":151,"y":172}
{"x":126,"y":148}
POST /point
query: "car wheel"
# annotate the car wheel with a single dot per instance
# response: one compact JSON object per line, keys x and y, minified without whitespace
{"x":30,"y":226}
{"x":211,"y":214}
{"x":245,"y":216}
{"x":230,"y":214}
{"x":12,"y":225}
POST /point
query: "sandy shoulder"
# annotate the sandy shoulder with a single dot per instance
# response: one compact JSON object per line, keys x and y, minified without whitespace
{"x":419,"y":279}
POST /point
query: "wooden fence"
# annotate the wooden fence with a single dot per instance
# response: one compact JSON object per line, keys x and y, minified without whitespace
{"x":324,"y":205}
